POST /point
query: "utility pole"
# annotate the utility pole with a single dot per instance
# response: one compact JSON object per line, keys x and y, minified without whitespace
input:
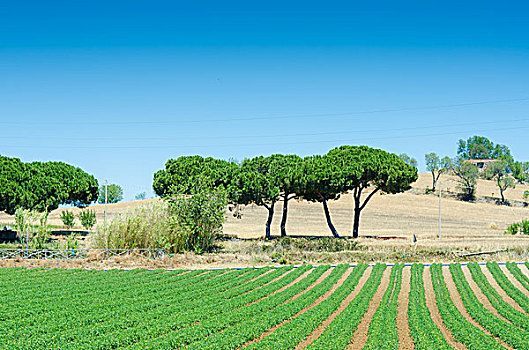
{"x":106,"y":196}
{"x":439,"y":234}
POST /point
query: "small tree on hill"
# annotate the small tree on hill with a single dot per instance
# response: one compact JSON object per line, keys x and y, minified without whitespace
{"x":68,"y":219}
{"x":499,"y":172}
{"x":87,"y":218}
{"x":408,"y":160}
{"x":468,"y":174}
{"x":363,"y":167}
{"x":113,"y":192}
{"x":436,"y":166}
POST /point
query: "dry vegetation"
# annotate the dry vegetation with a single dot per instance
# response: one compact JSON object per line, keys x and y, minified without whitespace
{"x":466,"y":227}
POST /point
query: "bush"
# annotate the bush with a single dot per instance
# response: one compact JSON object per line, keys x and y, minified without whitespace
{"x":184,"y":223}
{"x":32,"y":228}
{"x":526,"y":195}
{"x":68,"y":219}
{"x":87,"y":218}
{"x":323,"y":244}
{"x":518,"y":228}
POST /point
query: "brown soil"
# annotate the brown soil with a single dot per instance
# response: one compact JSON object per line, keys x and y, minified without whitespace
{"x":405,"y":340}
{"x":434,"y":311}
{"x":513,"y":280}
{"x":479,"y":294}
{"x":500,"y":290}
{"x":321,"y":328}
{"x":361,"y":334}
{"x":456,"y":298}
{"x":316,"y":303}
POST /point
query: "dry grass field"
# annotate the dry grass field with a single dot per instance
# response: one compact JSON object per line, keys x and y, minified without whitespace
{"x":466,"y":227}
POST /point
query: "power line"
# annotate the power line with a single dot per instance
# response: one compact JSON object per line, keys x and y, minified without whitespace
{"x":364,"y":131}
{"x":349,"y":140}
{"x":295,"y":116}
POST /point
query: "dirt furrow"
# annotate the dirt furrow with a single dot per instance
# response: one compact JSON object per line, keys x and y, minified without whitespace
{"x":316,"y":303}
{"x":434,"y":311}
{"x":479,"y":294}
{"x":514,"y":280}
{"x":405,"y":340}
{"x":361,"y":334}
{"x":458,"y":302}
{"x":499,"y":289}
{"x":321,"y":328}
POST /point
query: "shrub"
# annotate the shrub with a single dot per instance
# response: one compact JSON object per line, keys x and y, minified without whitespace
{"x":87,"y":218}
{"x":32,"y":228}
{"x":518,"y":227}
{"x":526,"y":195}
{"x":68,"y":219}
{"x":183,"y":223}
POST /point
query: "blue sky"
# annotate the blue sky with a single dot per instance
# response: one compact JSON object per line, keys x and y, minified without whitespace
{"x":118,"y":88}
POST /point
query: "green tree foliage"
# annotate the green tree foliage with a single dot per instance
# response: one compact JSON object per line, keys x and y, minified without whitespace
{"x":68,"y":219}
{"x":323,"y":182}
{"x":364,"y":168}
{"x":408,"y":160}
{"x":436,"y":166}
{"x":480,"y":147}
{"x":87,"y":218}
{"x":43,"y":186}
{"x":113,"y":192}
{"x":468,"y":175}
{"x":193,"y":174}
{"x":499,"y":172}
{"x":258,"y":184}
{"x":520,"y":171}
{"x":288,"y":173}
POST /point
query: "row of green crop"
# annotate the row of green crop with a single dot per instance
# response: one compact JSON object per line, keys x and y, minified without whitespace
{"x":518,"y":274}
{"x":508,"y":287}
{"x":462,"y":330}
{"x":423,"y":330}
{"x":507,"y":332}
{"x":516,"y":317}
{"x":382,"y":332}
{"x":119,"y":313}
{"x":256,"y":325}
{"x":340,"y":331}
{"x":258,"y":301}
{"x":153,"y":323}
{"x":299,"y":328}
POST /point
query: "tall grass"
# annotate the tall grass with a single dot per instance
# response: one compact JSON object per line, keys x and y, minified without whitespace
{"x":185,"y":223}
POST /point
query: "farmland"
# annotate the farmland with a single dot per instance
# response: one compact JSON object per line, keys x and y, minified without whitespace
{"x":326,"y":307}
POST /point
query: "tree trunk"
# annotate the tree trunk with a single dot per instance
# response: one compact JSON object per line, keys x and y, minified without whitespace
{"x":357,"y":195}
{"x":284,"y":217}
{"x":329,"y":221}
{"x":502,"y":196}
{"x":434,"y":181}
{"x":269,"y":220}
{"x":356,"y":223}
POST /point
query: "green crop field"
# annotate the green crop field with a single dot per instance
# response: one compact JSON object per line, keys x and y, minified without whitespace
{"x":372,"y":307}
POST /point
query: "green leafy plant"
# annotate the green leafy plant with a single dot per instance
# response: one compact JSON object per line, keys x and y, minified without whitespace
{"x":518,"y":228}
{"x":32,"y":228}
{"x":87,"y":217}
{"x":68,"y":219}
{"x":112,"y":192}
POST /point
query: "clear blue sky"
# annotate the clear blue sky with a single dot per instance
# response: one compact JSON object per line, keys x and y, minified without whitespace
{"x":119,"y":87}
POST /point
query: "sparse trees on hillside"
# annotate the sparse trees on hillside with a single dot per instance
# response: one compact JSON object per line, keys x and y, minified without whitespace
{"x":520,"y":171}
{"x":112,"y":192}
{"x":436,"y":166}
{"x":408,"y":160}
{"x":499,"y":172}
{"x":468,"y":175}
{"x":480,"y":147}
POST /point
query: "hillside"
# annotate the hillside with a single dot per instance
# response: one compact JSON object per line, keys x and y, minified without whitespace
{"x":403,"y":215}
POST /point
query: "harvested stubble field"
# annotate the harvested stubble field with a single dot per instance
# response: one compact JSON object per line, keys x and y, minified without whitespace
{"x":371,"y":307}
